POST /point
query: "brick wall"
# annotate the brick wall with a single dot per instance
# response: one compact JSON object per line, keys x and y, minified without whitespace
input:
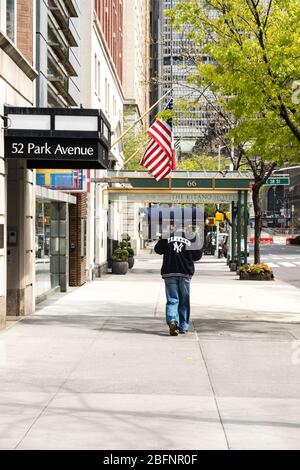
{"x":77,"y":263}
{"x":24,"y":28}
{"x":110,"y":16}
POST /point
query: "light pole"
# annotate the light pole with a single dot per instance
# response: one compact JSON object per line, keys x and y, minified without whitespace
{"x":274,"y":207}
{"x":218,"y":205}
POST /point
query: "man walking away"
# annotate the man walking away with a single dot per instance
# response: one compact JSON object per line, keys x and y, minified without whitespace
{"x":179,"y":254}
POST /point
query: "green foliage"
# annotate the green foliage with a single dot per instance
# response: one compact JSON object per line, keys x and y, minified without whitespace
{"x":254,"y":46}
{"x":120,"y":255}
{"x":201,"y":163}
{"x":126,"y":237}
{"x":130,"y":251}
{"x":133,"y":141}
{"x":125,"y":244}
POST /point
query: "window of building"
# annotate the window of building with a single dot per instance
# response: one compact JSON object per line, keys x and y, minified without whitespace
{"x":95,"y":74}
{"x":106,"y":97}
{"x":99,"y":78}
{"x":11,"y":19}
{"x":114,"y":107}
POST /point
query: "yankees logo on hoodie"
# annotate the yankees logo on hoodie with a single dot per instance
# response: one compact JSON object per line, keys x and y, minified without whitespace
{"x":179,"y":253}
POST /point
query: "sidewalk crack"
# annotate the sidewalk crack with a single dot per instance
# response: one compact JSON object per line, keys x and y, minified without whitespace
{"x":212,"y":388}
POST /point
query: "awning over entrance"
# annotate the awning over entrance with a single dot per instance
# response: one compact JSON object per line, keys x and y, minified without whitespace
{"x":191,"y":188}
{"x":181,"y":188}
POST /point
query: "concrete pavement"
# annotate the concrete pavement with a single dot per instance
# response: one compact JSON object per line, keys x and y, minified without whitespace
{"x":96,"y":368}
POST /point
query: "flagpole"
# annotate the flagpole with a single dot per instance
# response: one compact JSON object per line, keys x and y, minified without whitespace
{"x":142,"y":117}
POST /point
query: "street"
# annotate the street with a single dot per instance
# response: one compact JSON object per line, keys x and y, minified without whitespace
{"x":285,"y":261}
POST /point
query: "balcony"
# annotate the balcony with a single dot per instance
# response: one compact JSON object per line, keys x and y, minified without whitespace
{"x":63,"y":56}
{"x":58,"y":79}
{"x":72,"y":11}
{"x":61,"y":87}
{"x":63,"y":22}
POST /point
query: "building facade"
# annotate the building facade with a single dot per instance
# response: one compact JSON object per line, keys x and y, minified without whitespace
{"x":102,"y":67}
{"x":154,"y":48}
{"x":58,"y":38}
{"x":17,"y":208}
{"x":58,"y":53}
{"x":136,"y":28}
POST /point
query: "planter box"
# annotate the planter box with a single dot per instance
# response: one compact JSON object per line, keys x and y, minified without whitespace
{"x":119,"y":267}
{"x":131,"y":262}
{"x":256,"y":277}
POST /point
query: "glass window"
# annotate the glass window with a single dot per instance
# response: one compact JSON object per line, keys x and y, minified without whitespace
{"x":11,"y":19}
{"x":42,"y":247}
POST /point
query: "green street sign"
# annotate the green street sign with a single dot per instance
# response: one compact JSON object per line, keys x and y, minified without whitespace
{"x":278,"y":181}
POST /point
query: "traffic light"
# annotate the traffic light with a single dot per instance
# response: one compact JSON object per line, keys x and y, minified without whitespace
{"x":210,"y":221}
{"x":219,"y":217}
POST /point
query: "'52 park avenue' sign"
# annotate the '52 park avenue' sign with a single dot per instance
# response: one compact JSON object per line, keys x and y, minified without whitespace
{"x":46,"y":149}
{"x":57,"y":138}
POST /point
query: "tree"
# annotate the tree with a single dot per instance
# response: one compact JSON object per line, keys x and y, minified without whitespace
{"x":200,"y":163}
{"x":253,"y":46}
{"x":255,"y":61}
{"x":134,"y":146}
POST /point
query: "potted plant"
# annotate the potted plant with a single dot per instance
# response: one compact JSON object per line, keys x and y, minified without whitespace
{"x":130,"y":256}
{"x":126,"y":237}
{"x":120,"y":261}
{"x":256,"y":272}
{"x":126,"y":245}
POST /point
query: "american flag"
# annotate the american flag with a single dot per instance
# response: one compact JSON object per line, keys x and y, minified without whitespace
{"x":160,"y":157}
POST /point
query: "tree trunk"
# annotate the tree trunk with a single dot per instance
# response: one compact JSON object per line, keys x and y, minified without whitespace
{"x":258,"y":222}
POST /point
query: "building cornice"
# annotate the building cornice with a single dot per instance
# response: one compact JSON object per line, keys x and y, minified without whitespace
{"x":17,"y":57}
{"x":102,"y":41}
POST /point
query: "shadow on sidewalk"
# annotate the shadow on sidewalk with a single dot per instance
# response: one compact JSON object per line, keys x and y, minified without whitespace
{"x":247,"y":329}
{"x":102,"y":323}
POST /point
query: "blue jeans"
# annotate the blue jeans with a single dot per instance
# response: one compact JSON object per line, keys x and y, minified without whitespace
{"x":178,"y":301}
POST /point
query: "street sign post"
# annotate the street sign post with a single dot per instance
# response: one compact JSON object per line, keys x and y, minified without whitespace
{"x":278,"y":181}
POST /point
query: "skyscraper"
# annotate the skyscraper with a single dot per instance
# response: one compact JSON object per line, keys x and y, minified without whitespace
{"x":177,"y":56}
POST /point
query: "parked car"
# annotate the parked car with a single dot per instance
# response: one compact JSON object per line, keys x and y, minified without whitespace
{"x":295,"y":241}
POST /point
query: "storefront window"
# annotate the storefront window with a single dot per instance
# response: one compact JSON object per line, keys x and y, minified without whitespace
{"x":44,"y":280}
{"x":42,"y":247}
{"x":51,"y":245}
{"x":11,"y":19}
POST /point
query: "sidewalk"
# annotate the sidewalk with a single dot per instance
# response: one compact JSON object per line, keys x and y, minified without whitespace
{"x":96,"y":368}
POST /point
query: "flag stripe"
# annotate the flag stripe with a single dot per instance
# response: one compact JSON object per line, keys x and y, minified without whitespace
{"x":160,"y":170}
{"x":163,"y":174}
{"x":157,"y":164}
{"x":158,"y":158}
{"x":149,"y":150}
{"x":157,"y":135}
{"x":155,"y":153}
{"x":165,"y":128}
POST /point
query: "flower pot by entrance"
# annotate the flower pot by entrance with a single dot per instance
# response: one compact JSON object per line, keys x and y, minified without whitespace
{"x":120,"y":267}
{"x":256,"y":272}
{"x":256,"y":277}
{"x":131,"y":261}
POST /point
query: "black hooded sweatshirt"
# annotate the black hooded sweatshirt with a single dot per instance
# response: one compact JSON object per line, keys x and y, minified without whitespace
{"x":178,"y":258}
